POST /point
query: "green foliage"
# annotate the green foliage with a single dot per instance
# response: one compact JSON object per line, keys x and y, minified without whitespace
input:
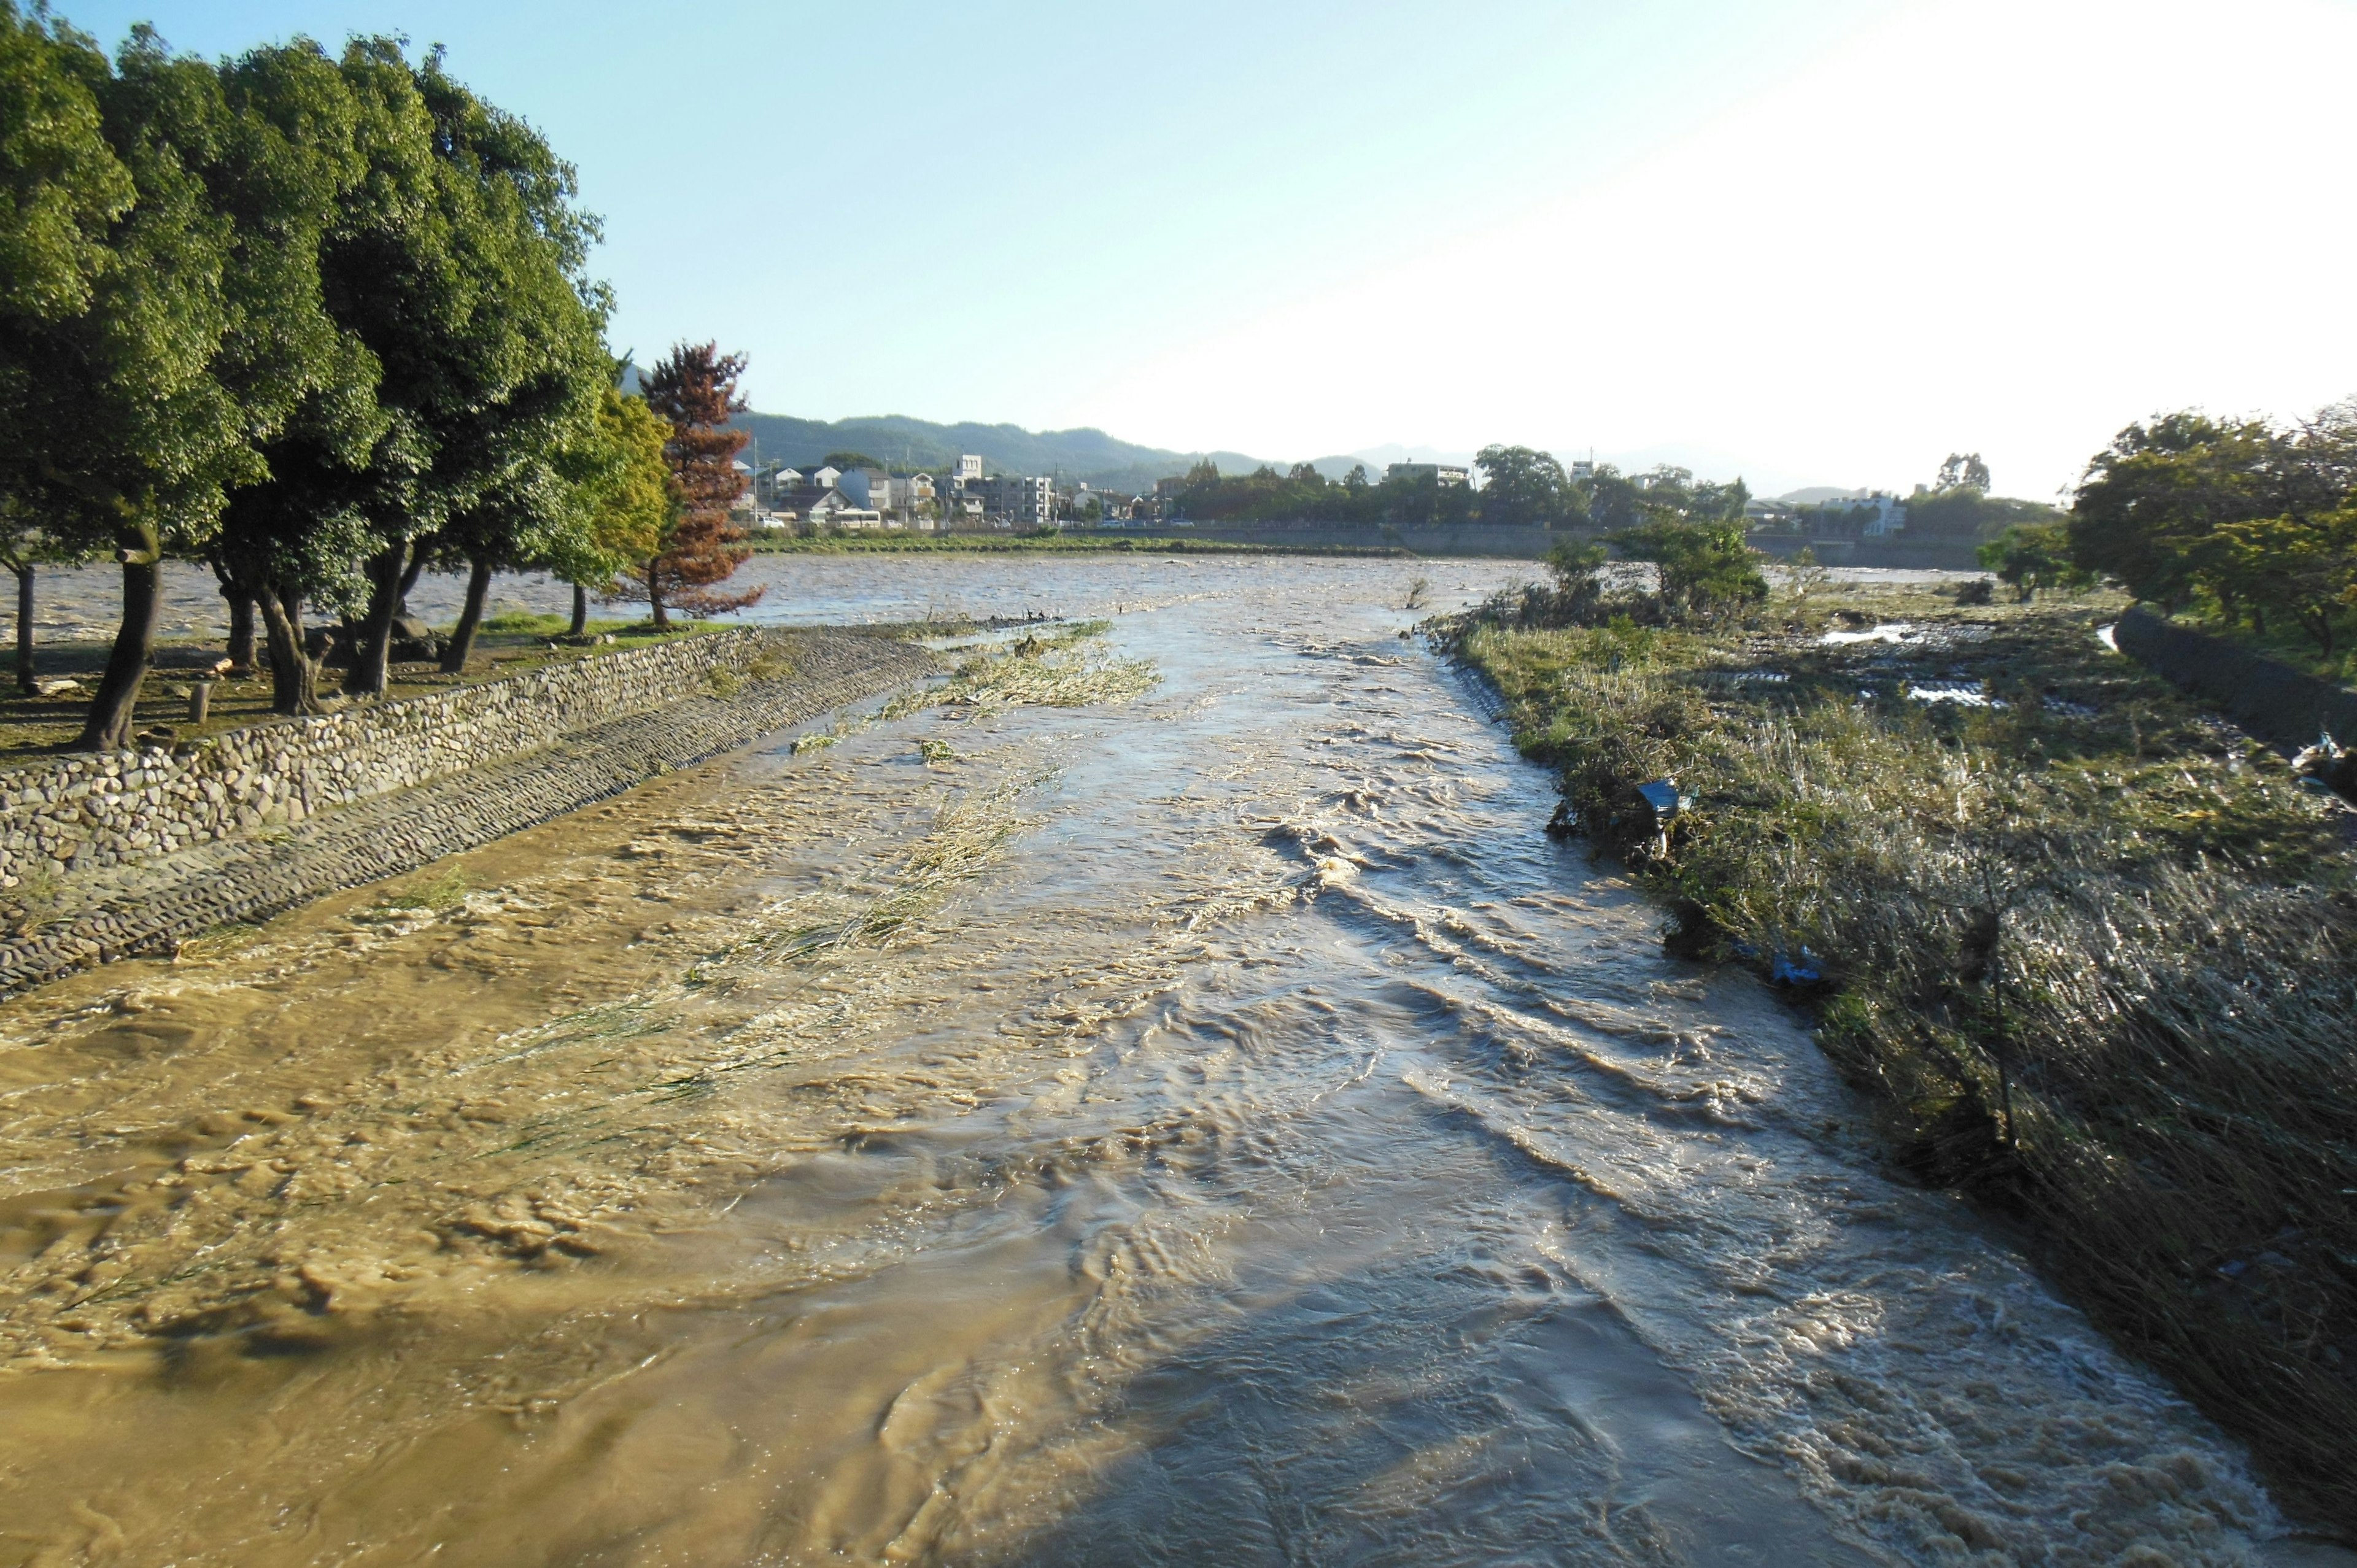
{"x":61,"y":187}
{"x":2031,"y":557}
{"x":1524,"y":488}
{"x":1965,"y":514}
{"x":1708,"y":572}
{"x":2254,"y":521}
{"x":622,"y":498}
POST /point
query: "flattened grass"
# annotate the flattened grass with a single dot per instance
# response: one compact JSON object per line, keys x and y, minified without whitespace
{"x":2094,"y":954}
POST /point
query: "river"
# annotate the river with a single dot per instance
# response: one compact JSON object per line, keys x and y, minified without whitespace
{"x":1212,"y":1126}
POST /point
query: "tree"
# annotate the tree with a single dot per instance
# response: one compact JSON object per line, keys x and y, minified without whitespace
{"x":2304,"y":568}
{"x":469,"y":290}
{"x":2148,"y":509}
{"x":1578,"y":567}
{"x":695,"y":389}
{"x":846,"y":461}
{"x":1525,"y":489}
{"x":1707,"y":569}
{"x":1963,"y":471}
{"x":25,"y":546}
{"x":623,"y":491}
{"x":332,"y":159}
{"x":2031,"y":557}
{"x":1613,"y":499}
{"x":135,"y":413}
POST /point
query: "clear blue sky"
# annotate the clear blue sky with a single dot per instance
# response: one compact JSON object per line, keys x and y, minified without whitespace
{"x":1217,"y":223}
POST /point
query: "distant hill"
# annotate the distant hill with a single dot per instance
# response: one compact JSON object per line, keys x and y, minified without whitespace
{"x":909,"y":444}
{"x":1818,"y":495}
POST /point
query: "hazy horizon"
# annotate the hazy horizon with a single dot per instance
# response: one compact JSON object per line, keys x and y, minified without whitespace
{"x":1817,"y":241}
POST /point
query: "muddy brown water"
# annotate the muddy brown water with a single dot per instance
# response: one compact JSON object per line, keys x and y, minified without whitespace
{"x":1211,"y":1127}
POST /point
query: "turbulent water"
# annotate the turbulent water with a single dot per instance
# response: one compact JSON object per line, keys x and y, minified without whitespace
{"x":1212,"y":1126}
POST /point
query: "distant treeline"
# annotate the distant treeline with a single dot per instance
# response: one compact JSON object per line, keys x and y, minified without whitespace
{"x":1521,"y":488}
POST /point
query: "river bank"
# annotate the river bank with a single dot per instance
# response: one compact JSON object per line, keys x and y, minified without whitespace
{"x":1208,"y":1124}
{"x":161,"y":848}
{"x":2091,"y":950}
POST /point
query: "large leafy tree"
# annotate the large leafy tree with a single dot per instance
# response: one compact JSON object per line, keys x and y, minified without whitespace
{"x":516,"y":499}
{"x":2149,"y":507}
{"x":133,"y":390}
{"x":61,"y":191}
{"x":695,"y":389}
{"x":473,"y":301}
{"x":1525,"y":489}
{"x":322,"y":160}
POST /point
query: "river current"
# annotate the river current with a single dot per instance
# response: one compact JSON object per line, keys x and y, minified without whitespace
{"x":1213,"y":1126}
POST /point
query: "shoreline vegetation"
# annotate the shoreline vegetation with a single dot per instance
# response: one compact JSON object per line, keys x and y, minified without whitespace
{"x":1048,"y":541}
{"x":2092,"y":954}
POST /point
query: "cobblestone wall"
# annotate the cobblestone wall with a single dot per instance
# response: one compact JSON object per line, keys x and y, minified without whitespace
{"x":69,"y":815}
{"x":148,"y":907}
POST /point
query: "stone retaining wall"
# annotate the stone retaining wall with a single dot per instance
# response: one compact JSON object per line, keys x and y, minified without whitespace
{"x":2274,"y":701}
{"x":151,"y":906}
{"x":67,"y":816}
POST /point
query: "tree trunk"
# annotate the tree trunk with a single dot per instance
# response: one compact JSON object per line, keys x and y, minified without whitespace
{"x":25,"y":671}
{"x":370,"y":660}
{"x":580,"y":611}
{"x":416,"y":569}
{"x":462,"y":636}
{"x":112,"y":710}
{"x":241,"y":630}
{"x":654,"y":600}
{"x":294,"y":678}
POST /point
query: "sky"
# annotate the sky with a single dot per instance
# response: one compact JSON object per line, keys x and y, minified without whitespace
{"x":1805,"y":241}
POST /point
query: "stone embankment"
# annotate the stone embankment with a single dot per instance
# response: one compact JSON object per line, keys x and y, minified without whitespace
{"x":166,"y":846}
{"x":2274,"y":701}
{"x":71,"y":815}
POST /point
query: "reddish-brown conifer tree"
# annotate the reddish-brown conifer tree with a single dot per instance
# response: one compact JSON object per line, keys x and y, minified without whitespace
{"x":695,"y":387}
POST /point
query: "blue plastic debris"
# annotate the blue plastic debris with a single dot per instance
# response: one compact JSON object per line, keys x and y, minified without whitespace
{"x":1790,"y":971}
{"x":1661,"y":794}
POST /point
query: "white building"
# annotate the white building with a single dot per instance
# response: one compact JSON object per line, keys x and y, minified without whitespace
{"x":1023,"y":502}
{"x":1889,"y":515}
{"x":1445,"y":473}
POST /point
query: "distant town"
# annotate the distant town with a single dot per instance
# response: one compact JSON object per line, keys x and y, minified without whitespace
{"x":849,"y":492}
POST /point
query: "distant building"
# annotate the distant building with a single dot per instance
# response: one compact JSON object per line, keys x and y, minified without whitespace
{"x":828,"y":507}
{"x":1023,"y":502}
{"x":969,"y":468}
{"x":1583,"y":467}
{"x":1442,"y":472}
{"x":871,"y":487}
{"x":1889,"y":515}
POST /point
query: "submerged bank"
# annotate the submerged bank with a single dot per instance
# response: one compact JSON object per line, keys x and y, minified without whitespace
{"x":1209,"y":1125}
{"x":113,"y":856}
{"x":2094,"y":954}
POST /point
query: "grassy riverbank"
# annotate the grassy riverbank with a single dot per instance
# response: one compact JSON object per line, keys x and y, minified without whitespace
{"x":2092,"y":954}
